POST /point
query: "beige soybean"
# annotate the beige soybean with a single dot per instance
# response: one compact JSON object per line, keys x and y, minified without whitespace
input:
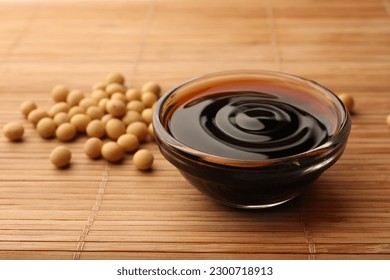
{"x":13,"y":131}
{"x":74,"y":97}
{"x":93,"y":147}
{"x":58,"y":107}
{"x":87,"y":102}
{"x":115,"y":128}
{"x":148,"y":99}
{"x":147,"y":115}
{"x":133,"y":94}
{"x":103,"y":104}
{"x":27,"y":106}
{"x":131,"y":116}
{"x":66,"y":132}
{"x":115,"y":77}
{"x":111,"y":151}
{"x":116,"y":108}
{"x":95,"y":113}
{"x":152,"y":87}
{"x":59,"y":93}
{"x":348,"y":101}
{"x":99,"y":94}
{"x":60,"y":156}
{"x":46,"y":128}
{"x":135,"y":105}
{"x":115,"y":87}
{"x":106,"y":118}
{"x":143,"y":159}
{"x":128,"y":142}
{"x":96,"y":128}
{"x":75,"y":110}
{"x":60,"y":118}
{"x":138,"y":129}
{"x":36,"y":115}
{"x":80,"y":121}
{"x":120,"y":96}
{"x":99,"y":85}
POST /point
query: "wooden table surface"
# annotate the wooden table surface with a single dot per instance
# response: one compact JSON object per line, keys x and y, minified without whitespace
{"x":96,"y":210}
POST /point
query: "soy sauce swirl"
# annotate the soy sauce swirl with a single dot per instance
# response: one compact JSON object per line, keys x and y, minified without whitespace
{"x":246,"y":125}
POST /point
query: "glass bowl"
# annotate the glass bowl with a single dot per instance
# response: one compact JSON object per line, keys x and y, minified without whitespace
{"x":251,"y":139}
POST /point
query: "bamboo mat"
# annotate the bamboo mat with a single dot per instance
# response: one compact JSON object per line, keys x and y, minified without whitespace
{"x":95,"y":210}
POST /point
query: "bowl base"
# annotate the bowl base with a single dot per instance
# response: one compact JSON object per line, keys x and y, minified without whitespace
{"x":258,"y":195}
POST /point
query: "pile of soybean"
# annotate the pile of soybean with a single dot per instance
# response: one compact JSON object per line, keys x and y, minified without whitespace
{"x":115,"y":118}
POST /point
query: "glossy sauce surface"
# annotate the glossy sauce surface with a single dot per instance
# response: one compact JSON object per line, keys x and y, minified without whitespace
{"x":246,"y":125}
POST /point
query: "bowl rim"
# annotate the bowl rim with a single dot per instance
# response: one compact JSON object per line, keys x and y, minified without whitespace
{"x":179,"y":148}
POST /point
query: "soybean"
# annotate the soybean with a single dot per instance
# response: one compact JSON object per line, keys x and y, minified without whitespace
{"x":120,"y":96}
{"x":152,"y":87}
{"x":348,"y":101}
{"x":59,"y":93}
{"x":147,"y":115}
{"x":66,"y":132}
{"x":46,"y":128}
{"x":95,"y":128}
{"x":143,"y":159}
{"x":80,"y":121}
{"x":103,"y":103}
{"x":87,"y":102}
{"x":148,"y":99}
{"x":74,"y":97}
{"x":135,"y":105}
{"x":60,"y":156}
{"x":115,"y":78}
{"x":27,"y":106}
{"x":36,"y":115}
{"x":116,"y":108}
{"x":99,"y":94}
{"x":99,"y":85}
{"x":115,"y":128}
{"x":131,"y":116}
{"x":133,"y":94}
{"x":13,"y":131}
{"x":58,"y":107}
{"x":106,"y":118}
{"x":115,"y":87}
{"x":75,"y":110}
{"x":95,"y":113}
{"x":60,"y":118}
{"x":111,"y":151}
{"x":128,"y":142}
{"x":93,"y":147}
{"x":139,"y":129}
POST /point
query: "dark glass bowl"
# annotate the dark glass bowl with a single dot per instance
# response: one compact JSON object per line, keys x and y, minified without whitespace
{"x":254,"y":183}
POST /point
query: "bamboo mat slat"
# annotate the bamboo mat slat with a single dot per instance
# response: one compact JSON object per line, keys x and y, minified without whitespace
{"x":95,"y":210}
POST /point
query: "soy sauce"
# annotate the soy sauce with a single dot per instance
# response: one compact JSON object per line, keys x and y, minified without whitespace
{"x":246,"y":125}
